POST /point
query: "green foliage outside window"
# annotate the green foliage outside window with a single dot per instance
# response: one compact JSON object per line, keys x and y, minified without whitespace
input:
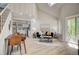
{"x":71,"y":27}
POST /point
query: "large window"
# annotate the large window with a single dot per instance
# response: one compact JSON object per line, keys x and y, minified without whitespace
{"x":73,"y":29}
{"x":77,"y":28}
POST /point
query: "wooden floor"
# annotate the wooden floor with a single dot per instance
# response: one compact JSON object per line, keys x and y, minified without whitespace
{"x":34,"y":47}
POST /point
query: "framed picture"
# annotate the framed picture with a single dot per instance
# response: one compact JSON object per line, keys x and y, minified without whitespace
{"x":45,"y":27}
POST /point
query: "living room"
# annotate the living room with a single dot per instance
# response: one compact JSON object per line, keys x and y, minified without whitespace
{"x":44,"y":26}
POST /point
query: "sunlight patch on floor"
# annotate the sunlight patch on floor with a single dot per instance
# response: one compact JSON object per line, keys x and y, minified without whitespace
{"x":73,"y":45}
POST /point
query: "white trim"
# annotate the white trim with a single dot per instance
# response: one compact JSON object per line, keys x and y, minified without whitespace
{"x":72,"y":16}
{"x":21,"y":19}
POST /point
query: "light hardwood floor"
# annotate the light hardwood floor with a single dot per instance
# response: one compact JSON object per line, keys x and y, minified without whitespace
{"x":34,"y":47}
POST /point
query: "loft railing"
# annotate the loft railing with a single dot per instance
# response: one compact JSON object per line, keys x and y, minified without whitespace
{"x":3,"y":17}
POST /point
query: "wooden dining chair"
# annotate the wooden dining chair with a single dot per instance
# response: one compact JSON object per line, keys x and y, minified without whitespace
{"x":12,"y":41}
{"x":15,"y":40}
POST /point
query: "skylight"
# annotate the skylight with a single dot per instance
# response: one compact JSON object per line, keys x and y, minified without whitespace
{"x":51,"y":4}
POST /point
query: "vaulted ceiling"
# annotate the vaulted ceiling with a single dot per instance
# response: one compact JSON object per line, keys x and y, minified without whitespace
{"x":53,"y":10}
{"x":56,"y":9}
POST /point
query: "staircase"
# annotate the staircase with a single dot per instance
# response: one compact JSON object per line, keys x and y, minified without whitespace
{"x":5,"y":18}
{"x":4,"y":11}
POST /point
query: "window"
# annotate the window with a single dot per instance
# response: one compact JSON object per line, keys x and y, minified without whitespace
{"x":73,"y":29}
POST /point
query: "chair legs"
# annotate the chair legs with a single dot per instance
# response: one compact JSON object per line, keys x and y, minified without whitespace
{"x":8,"y":50}
{"x":20,"y":49}
{"x":25,"y":47}
{"x":11,"y":50}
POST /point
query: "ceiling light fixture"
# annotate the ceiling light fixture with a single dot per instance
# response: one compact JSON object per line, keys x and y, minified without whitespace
{"x":51,"y":4}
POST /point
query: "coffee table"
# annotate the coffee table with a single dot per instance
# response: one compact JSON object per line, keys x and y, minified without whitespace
{"x":48,"y":38}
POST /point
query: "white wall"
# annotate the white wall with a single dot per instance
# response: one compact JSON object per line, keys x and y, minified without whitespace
{"x":4,"y":33}
{"x":66,"y":11}
{"x":45,"y":18}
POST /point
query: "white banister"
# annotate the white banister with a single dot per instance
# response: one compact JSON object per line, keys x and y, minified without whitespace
{"x":5,"y":18}
{"x":4,"y":33}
